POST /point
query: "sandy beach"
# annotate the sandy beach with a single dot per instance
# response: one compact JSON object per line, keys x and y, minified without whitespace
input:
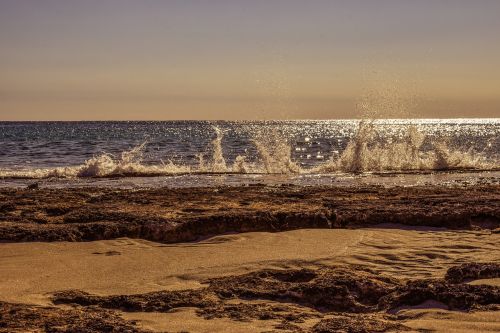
{"x":233,"y":166}
{"x":334,"y":268}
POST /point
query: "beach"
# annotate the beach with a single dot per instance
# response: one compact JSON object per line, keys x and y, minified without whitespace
{"x":251,"y":259}
{"x":249,"y":166}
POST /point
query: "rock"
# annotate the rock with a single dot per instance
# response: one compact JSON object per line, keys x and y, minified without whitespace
{"x":31,"y":318}
{"x":472,"y":271}
{"x":180,"y":215}
{"x":33,"y":186}
{"x":455,"y":296}
{"x":354,"y":298}
{"x":358,"y":324}
{"x":332,"y":289}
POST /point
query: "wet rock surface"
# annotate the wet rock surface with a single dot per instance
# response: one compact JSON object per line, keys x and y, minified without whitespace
{"x":178,"y":215}
{"x":455,"y":296}
{"x":288,"y":313}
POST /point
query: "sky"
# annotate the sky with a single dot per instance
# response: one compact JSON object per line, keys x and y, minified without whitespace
{"x":239,"y":59}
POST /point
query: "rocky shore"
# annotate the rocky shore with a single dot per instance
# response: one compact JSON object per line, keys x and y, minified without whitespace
{"x":254,"y":259}
{"x":342,"y":299}
{"x":179,"y":215}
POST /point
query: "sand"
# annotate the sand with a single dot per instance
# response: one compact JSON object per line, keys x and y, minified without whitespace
{"x":432,"y":320}
{"x":32,"y":272}
{"x":126,"y":266}
{"x":251,"y":259}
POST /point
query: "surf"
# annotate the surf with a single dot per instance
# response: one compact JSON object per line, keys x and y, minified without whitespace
{"x":369,"y":150}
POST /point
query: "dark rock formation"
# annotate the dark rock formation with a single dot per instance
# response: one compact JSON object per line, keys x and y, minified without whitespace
{"x":455,"y":296}
{"x":177,"y":215}
{"x":338,"y":289}
{"x":33,"y":186}
{"x":346,"y":299}
{"x":31,"y":318}
{"x":366,"y":323}
{"x":260,"y":311}
{"x":473,"y":271}
{"x":162,"y":301}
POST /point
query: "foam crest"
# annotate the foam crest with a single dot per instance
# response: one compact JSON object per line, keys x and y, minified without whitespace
{"x":369,"y":150}
{"x":129,"y":164}
{"x":217,"y":162}
{"x":366,"y":152}
{"x":275,"y":154}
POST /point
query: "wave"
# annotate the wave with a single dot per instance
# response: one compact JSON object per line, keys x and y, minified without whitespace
{"x":365,"y":153}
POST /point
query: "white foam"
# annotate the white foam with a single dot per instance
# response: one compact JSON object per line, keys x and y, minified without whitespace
{"x":365,"y":152}
{"x":275,"y":154}
{"x":104,"y":165}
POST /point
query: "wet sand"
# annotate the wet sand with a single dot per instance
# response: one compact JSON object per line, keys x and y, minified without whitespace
{"x":359,"y":276}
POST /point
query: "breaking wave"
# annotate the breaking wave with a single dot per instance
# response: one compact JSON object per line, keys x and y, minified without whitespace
{"x":129,"y":164}
{"x":367,"y":151}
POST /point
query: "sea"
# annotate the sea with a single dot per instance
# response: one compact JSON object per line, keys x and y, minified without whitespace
{"x":136,"y":154}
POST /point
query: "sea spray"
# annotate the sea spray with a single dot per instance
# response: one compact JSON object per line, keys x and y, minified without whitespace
{"x":240,"y":165}
{"x":275,"y":154}
{"x":129,"y":164}
{"x":106,"y":165}
{"x":368,"y":152}
{"x":218,"y":161}
{"x":372,"y":148}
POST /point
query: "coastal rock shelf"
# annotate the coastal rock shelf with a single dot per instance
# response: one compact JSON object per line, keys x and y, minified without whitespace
{"x":334,"y":289}
{"x":339,"y":299}
{"x":178,"y":215}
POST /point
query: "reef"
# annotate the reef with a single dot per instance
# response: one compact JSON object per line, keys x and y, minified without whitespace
{"x":179,"y":215}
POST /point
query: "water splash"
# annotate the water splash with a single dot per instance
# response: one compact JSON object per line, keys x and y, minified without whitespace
{"x":217,"y":162}
{"x":367,"y":152}
{"x":370,"y":149}
{"x":275,"y":154}
{"x":129,"y":164}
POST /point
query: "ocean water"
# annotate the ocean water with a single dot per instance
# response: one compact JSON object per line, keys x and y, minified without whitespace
{"x":196,"y":153}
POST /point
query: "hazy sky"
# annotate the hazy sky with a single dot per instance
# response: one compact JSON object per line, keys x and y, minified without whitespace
{"x":159,"y":59}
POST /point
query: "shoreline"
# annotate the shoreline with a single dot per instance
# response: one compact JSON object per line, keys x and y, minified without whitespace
{"x":307,"y":280}
{"x":250,"y":259}
{"x":189,"y":214}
